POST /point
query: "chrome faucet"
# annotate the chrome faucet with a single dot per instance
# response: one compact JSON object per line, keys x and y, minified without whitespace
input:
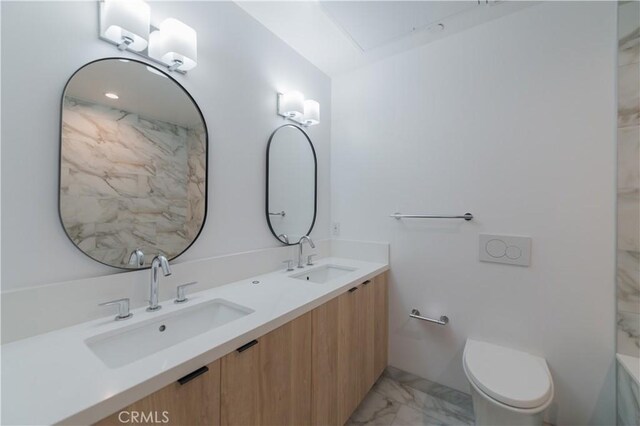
{"x":284,"y":238}
{"x":158,"y":262}
{"x":136,"y":258}
{"x":302,"y":240}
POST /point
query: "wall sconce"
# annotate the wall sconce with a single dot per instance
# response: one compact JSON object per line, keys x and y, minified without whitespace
{"x":126,"y":23}
{"x":311,"y":112}
{"x":175,"y":45}
{"x":293,"y":106}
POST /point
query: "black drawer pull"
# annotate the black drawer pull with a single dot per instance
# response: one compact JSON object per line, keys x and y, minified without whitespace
{"x":247,"y":346}
{"x":352,"y":289}
{"x":193,"y":375}
{"x":366,"y":282}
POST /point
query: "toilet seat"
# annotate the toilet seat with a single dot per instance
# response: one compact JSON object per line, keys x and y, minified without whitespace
{"x":514,"y":378}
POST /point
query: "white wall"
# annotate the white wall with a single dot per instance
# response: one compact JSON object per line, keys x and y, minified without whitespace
{"x":514,"y":122}
{"x":241,"y":67}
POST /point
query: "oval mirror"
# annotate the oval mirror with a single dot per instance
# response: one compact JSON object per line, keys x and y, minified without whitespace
{"x":133,"y":163}
{"x":291,"y":184}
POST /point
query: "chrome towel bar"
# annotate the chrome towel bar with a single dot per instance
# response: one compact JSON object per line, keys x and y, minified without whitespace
{"x":397,"y":215}
{"x":444,"y":320}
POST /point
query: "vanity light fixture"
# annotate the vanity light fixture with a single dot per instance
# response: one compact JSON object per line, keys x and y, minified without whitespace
{"x":111,"y":95}
{"x":311,"y":112}
{"x":175,"y":44}
{"x":293,"y":106}
{"x":127,"y":24}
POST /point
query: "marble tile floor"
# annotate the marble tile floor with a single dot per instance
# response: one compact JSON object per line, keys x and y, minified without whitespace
{"x":402,"y":399}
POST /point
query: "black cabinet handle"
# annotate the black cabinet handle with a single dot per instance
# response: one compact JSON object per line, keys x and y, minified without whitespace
{"x":193,"y":375}
{"x":366,"y":282}
{"x":247,"y":346}
{"x":352,"y":289}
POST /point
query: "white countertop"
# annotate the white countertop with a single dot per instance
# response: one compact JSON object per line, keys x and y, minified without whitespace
{"x":55,"y":377}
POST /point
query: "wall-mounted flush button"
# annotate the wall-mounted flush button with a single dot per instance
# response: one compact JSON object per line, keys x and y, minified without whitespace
{"x":496,"y":248}
{"x":513,"y":252}
{"x":505,"y":249}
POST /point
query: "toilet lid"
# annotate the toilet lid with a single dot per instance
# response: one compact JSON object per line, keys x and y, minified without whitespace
{"x":512,"y":377}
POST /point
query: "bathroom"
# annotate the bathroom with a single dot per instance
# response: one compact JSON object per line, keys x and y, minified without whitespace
{"x":320,"y":212}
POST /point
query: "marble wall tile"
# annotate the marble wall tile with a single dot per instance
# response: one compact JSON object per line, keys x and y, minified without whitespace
{"x":629,"y":95}
{"x":629,"y":333}
{"x":130,"y":182}
{"x":628,"y":399}
{"x":629,"y":188}
{"x":628,"y":281}
{"x":629,"y":33}
{"x":628,"y":205}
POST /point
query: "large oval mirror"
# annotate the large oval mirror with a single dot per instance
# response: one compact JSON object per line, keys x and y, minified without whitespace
{"x":133,"y":163}
{"x":291,"y":184}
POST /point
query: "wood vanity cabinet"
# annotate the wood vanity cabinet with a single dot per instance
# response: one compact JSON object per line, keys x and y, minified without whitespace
{"x":268,"y":381}
{"x":314,"y":370}
{"x":349,"y":350}
{"x":194,"y":402}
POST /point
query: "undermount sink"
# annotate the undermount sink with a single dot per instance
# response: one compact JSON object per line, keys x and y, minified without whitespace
{"x":323,"y":274}
{"x":126,"y":345}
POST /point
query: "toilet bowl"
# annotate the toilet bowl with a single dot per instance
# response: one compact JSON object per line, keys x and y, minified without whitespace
{"x":508,"y":387}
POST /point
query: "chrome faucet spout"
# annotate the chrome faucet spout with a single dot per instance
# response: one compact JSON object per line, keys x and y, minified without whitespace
{"x":158,"y":262}
{"x":136,"y":258}
{"x":302,"y":240}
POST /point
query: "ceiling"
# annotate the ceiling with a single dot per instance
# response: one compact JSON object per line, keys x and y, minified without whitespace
{"x":141,"y":89}
{"x":339,"y":36}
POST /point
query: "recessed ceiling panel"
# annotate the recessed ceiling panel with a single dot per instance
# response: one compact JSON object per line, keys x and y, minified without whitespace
{"x":372,"y":24}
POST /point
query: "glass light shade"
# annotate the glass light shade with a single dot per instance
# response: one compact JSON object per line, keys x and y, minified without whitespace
{"x":311,"y":112}
{"x":122,"y":19}
{"x":292,"y":104}
{"x":175,"y":41}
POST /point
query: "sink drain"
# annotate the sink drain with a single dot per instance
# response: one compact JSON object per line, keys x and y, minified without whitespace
{"x":162,"y":328}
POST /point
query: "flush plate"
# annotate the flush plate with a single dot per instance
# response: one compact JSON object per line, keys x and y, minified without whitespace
{"x":508,"y":249}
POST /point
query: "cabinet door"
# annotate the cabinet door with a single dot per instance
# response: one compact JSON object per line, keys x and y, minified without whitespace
{"x":381,"y":324}
{"x":285,"y":374}
{"x":240,"y":386}
{"x":366,"y":328}
{"x":195,"y":402}
{"x":349,"y":367}
{"x":324,"y":362}
{"x":268,"y":381}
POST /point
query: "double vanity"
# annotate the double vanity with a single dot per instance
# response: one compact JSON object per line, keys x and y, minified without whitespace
{"x":301,"y":347}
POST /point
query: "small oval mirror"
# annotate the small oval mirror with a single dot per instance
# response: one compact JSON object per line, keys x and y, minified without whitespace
{"x":291,"y":184}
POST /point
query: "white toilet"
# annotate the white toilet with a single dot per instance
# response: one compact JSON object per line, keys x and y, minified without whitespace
{"x":508,"y":387}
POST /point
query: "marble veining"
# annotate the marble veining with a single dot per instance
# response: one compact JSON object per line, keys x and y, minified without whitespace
{"x":130,"y":182}
{"x":401,"y":398}
{"x":628,"y":333}
{"x":628,"y":281}
{"x":628,"y":181}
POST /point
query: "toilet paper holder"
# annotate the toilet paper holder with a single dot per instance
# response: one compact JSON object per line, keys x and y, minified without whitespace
{"x":444,"y":320}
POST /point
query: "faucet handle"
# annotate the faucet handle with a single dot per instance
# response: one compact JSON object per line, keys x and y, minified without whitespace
{"x":181,"y":292}
{"x":123,"y":308}
{"x":289,"y":263}
{"x":310,"y":259}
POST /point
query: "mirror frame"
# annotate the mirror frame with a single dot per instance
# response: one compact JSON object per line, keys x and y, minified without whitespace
{"x":315,"y":183}
{"x":206,"y":170}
